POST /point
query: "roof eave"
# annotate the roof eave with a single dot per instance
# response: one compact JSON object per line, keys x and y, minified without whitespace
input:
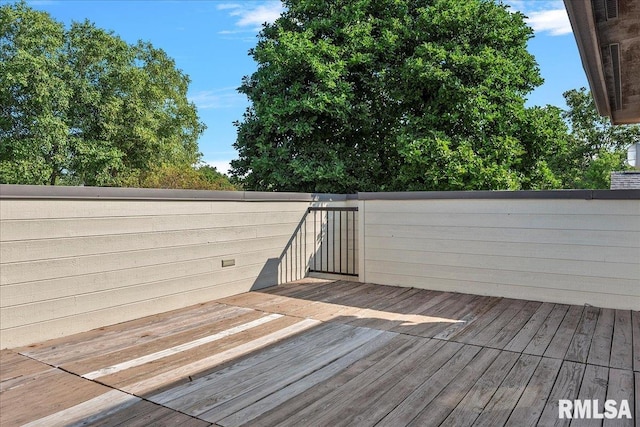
{"x":584,"y":30}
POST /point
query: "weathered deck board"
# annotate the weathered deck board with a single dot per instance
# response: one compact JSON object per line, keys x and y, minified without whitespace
{"x":621,"y":348}
{"x":475,"y":310}
{"x":448,"y":399}
{"x":17,"y":370}
{"x":227,"y":394}
{"x":636,"y":340}
{"x":145,"y":414}
{"x":474,"y":328}
{"x":137,"y":350}
{"x":331,"y":353}
{"x":497,"y":410}
{"x":563,"y":336}
{"x":619,"y":388}
{"x":292,"y":390}
{"x":140,"y":373}
{"x":473,"y":403}
{"x":600,"y":350}
{"x":339,"y":400}
{"x":451,"y":309}
{"x":547,"y":331}
{"x":291,"y":345}
{"x":464,"y":359}
{"x":361,"y":316}
{"x":566,"y":386}
{"x":529,"y":330}
{"x":393,"y":396}
{"x":511,"y":329}
{"x":111,"y":338}
{"x":284,"y":411}
{"x":45,"y":394}
{"x":593,"y":387}
{"x":396,"y":308}
{"x":578,"y":350}
{"x":534,"y":398}
{"x":637,"y":395}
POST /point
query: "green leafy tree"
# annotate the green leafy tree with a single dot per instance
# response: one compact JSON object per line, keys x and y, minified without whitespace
{"x":203,"y":177}
{"x":33,"y":93}
{"x":81,"y":106}
{"x":595,"y":146}
{"x":218,"y":179}
{"x":377,"y":95}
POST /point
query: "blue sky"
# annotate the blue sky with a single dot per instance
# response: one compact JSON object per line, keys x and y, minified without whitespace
{"x":209,"y":40}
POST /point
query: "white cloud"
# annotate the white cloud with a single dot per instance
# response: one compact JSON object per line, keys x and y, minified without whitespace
{"x":261,"y":14}
{"x":42,"y":2}
{"x":221,"y":166}
{"x":218,"y":98}
{"x":544,"y":16}
{"x":226,"y":6}
{"x":526,"y":6}
{"x":251,"y":15}
{"x":555,"y":22}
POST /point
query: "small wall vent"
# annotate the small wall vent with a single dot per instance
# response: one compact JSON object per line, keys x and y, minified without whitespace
{"x":612,"y":8}
{"x":617,"y":84}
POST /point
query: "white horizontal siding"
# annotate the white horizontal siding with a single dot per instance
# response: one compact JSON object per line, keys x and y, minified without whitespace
{"x":72,"y":265}
{"x":570,"y":251}
{"x":508,"y":249}
{"x":77,"y":227}
{"x":598,"y":238}
{"x":493,"y":277}
{"x":26,"y":271}
{"x":24,"y":209}
{"x":509,"y":220}
{"x":508,"y":206}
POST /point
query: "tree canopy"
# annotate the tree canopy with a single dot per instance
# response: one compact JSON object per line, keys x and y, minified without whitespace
{"x":595,"y":147}
{"x":376,"y":95}
{"x":82,"y":106}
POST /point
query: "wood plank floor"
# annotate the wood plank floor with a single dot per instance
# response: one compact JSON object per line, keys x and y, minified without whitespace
{"x":320,"y":353}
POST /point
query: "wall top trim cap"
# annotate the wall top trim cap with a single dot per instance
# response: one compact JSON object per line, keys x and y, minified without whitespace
{"x":527,"y":194}
{"x":10,"y":191}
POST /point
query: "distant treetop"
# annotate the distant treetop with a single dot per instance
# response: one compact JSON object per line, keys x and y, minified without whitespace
{"x":81,"y":106}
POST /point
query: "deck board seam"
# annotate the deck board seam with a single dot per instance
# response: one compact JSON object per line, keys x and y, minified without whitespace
{"x":139,"y":396}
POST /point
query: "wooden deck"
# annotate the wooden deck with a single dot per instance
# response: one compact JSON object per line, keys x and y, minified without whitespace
{"x":322,"y":353}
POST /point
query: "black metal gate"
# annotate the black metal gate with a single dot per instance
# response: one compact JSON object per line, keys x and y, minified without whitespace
{"x":335,"y":231}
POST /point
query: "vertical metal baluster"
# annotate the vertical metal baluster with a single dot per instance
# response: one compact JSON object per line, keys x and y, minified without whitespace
{"x":328,"y":237}
{"x":299,"y":264}
{"x":322,"y":239}
{"x":333,"y":220}
{"x":347,"y":243}
{"x":325,"y":239}
{"x":354,"y":242}
{"x":340,"y":243}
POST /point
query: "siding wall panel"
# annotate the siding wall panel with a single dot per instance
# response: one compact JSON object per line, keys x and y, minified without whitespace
{"x":69,"y":265}
{"x":596,"y":238}
{"x":570,"y":251}
{"x":616,"y":254}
